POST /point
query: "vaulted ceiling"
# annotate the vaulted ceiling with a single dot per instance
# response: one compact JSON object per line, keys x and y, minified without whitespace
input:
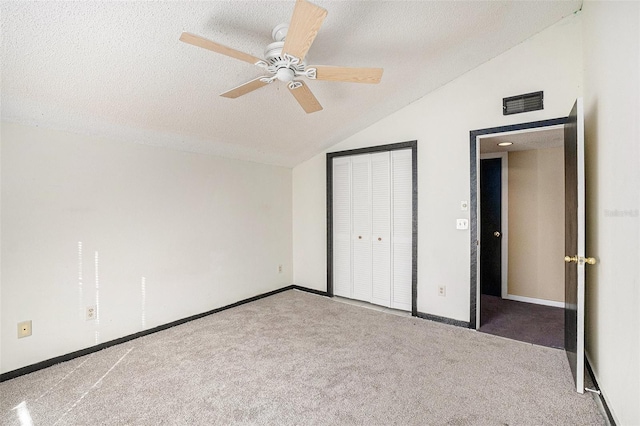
{"x":117,"y":69}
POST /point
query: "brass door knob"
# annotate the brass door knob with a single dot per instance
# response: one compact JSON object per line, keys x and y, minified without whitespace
{"x":379,"y":239}
{"x":496,"y":234}
{"x":359,"y":237}
{"x":580,"y":260}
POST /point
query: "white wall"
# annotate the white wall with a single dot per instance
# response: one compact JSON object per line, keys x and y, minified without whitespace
{"x":612,"y":138}
{"x":202,"y":232}
{"x":441,"y":122}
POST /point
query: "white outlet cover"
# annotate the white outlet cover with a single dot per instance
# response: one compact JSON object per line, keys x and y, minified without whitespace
{"x":91,"y":313}
{"x":462,"y":224}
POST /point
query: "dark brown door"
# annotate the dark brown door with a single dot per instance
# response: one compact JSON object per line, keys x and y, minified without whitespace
{"x":491,"y":226}
{"x":574,"y":242}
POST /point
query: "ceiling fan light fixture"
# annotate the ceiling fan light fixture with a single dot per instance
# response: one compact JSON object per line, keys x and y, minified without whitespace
{"x":285,"y":74}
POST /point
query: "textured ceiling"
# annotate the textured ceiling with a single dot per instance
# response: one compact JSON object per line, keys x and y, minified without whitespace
{"x":117,"y":69}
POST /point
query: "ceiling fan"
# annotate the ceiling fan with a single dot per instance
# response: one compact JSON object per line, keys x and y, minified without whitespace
{"x":285,"y":58}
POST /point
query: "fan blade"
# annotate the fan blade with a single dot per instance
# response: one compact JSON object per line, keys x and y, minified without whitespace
{"x":306,"y":21}
{"x":218,"y":48}
{"x":245,"y":88}
{"x":351,"y":75}
{"x":305,"y":98}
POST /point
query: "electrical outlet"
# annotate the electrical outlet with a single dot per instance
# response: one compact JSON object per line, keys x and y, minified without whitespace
{"x":91,"y":313}
{"x":24,"y":329}
{"x":279,"y":269}
{"x":442,"y":290}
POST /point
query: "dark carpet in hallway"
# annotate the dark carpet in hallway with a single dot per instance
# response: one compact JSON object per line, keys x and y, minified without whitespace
{"x":527,"y":322}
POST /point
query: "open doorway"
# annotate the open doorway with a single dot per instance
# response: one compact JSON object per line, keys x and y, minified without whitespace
{"x":520,"y":219}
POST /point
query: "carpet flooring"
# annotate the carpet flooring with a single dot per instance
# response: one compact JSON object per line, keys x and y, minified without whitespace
{"x":298,"y":358}
{"x":527,"y":322}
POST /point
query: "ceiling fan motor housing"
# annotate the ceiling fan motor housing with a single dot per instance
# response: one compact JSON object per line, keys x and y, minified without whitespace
{"x":277,"y":61}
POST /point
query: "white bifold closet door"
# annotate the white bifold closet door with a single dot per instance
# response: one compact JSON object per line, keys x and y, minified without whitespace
{"x":402,"y":225}
{"x":342,"y":227}
{"x":361,"y":226}
{"x":372,"y":228}
{"x":380,"y":228}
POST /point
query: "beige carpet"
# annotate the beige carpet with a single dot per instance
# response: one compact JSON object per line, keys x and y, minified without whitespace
{"x":297,"y":358}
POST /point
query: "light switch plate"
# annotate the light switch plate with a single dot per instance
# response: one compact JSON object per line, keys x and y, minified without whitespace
{"x":462,"y":224}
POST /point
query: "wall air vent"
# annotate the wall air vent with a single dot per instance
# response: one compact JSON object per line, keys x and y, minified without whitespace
{"x":523,"y":103}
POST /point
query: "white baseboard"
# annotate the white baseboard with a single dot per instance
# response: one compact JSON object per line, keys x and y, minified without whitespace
{"x":536,"y":301}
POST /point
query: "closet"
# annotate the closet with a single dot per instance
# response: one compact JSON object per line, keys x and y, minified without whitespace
{"x":372,"y":227}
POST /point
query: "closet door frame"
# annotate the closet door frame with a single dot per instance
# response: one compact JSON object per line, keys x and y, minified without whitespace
{"x":413,"y":146}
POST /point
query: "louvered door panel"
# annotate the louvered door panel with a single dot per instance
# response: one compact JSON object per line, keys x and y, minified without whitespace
{"x":342,"y":227}
{"x":381,"y":229}
{"x":402,"y":209}
{"x":361,"y":226}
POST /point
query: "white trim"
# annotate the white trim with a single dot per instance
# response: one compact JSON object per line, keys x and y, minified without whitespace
{"x":534,"y":300}
{"x":504,"y":218}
